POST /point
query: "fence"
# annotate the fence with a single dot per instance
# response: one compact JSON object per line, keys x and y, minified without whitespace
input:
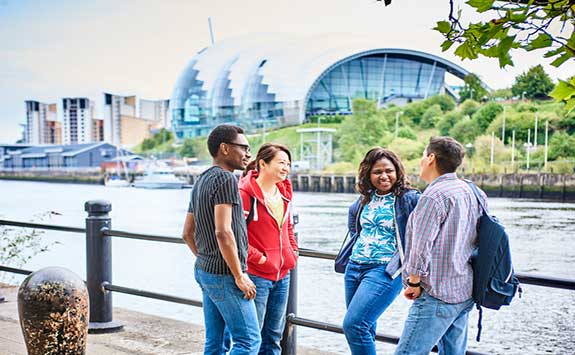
{"x":98,"y":232}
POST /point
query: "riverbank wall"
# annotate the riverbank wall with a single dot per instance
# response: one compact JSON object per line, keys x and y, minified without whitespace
{"x":558,"y":187}
{"x":545,"y":186}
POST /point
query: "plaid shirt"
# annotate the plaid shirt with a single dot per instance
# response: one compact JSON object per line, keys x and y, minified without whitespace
{"x":440,"y":237}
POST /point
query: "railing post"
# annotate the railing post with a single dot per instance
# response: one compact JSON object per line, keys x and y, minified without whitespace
{"x":289,"y":339}
{"x":99,"y":267}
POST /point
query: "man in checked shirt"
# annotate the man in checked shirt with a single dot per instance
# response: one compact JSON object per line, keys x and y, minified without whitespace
{"x":440,"y":237}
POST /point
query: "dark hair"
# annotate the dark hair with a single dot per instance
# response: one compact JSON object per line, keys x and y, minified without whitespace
{"x":364,"y":185}
{"x":266,"y":153}
{"x":222,"y":134}
{"x":448,"y":153}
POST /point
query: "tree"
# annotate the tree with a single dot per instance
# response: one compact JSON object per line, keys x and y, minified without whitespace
{"x":469,"y":107}
{"x":448,"y":121}
{"x":363,"y":130}
{"x":431,"y":116}
{"x":465,"y":131}
{"x":486,"y":114}
{"x":514,"y":24}
{"x":535,"y":83}
{"x":472,"y":89}
{"x":561,"y":145}
{"x":189,"y":148}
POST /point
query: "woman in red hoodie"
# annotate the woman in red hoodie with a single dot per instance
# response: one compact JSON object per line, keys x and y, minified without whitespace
{"x":272,"y":250}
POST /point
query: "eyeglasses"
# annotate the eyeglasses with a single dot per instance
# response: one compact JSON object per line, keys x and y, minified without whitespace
{"x":245,"y":147}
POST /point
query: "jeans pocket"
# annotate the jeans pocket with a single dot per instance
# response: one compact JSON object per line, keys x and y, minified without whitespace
{"x":445,"y":310}
{"x":214,"y":287}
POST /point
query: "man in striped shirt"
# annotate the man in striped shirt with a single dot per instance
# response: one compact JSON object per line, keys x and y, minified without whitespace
{"x":215,"y":231}
{"x":441,"y":234}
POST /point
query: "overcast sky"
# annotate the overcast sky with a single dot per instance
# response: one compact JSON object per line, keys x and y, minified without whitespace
{"x":69,"y":48}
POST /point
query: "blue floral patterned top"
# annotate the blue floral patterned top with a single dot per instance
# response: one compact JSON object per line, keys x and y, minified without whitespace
{"x":376,"y":243}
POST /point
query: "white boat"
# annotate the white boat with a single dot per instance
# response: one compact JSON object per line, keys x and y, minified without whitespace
{"x":115,"y":181}
{"x":159,"y":177}
{"x":116,"y":178}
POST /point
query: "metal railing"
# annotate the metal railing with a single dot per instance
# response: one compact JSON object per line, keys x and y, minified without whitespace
{"x":100,"y":287}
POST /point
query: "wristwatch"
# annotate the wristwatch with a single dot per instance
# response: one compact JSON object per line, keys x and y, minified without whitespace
{"x":413,"y":284}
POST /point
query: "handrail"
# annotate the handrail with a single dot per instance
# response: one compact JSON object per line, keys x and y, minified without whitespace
{"x":101,"y":229}
{"x":42,"y":226}
{"x":334,"y":328}
{"x":528,"y":279}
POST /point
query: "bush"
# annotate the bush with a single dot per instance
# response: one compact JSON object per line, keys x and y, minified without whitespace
{"x":486,"y":114}
{"x":469,"y":107}
{"x":406,"y":132}
{"x":561,"y":145}
{"x":465,"y":131}
{"x":406,"y":149}
{"x":444,"y":101}
{"x":431,"y":116}
{"x":448,"y":121}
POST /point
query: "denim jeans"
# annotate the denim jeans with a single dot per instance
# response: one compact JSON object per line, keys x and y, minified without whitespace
{"x":432,"y":321}
{"x":368,"y":292}
{"x":225,"y":306}
{"x":271,"y":303}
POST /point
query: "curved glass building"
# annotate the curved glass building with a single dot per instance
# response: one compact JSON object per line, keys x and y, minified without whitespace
{"x":275,"y":80}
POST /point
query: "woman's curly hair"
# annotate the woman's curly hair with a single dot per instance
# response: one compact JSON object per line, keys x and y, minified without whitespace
{"x":364,"y":186}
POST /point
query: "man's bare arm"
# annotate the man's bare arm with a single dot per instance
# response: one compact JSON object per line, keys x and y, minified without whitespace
{"x":229,"y":249}
{"x":190,"y":233}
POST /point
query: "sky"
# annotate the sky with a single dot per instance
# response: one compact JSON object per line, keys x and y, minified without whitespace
{"x":69,"y":48}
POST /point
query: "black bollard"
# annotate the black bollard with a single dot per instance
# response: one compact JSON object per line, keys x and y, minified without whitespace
{"x":53,"y":309}
{"x":99,"y":267}
{"x":289,"y":338}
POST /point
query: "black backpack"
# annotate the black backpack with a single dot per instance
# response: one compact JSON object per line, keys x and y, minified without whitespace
{"x":251,"y":214}
{"x":494,"y":281}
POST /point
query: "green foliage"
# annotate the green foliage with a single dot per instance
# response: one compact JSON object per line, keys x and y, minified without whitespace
{"x":504,"y":94}
{"x":191,"y":147}
{"x":406,"y":149}
{"x":327,"y":119}
{"x":486,"y":114}
{"x":508,"y":25}
{"x":465,"y":130}
{"x":406,"y":132}
{"x":535,"y":83}
{"x":472,"y":89}
{"x":159,"y":142}
{"x":19,"y":245}
{"x":562,"y":145}
{"x":565,"y":92}
{"x":469,"y":107}
{"x":361,"y":131}
{"x":431,"y":116}
{"x":444,"y":101}
{"x":482,"y":148}
{"x":449,"y":120}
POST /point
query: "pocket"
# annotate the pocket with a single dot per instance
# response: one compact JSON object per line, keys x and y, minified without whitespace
{"x":272,"y":264}
{"x":289,"y":258}
{"x":213,"y":286}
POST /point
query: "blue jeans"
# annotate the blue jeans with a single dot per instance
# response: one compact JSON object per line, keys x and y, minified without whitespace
{"x":225,"y":306}
{"x":368,"y":292}
{"x":432,"y":321}
{"x":271,"y":303}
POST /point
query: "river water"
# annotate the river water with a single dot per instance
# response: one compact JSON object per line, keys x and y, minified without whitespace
{"x":542,"y":240}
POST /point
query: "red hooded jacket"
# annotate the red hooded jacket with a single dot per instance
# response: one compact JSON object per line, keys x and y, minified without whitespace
{"x":264,"y":234}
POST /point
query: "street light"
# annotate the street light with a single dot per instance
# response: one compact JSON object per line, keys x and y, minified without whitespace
{"x":523,"y":96}
{"x":397,"y":113}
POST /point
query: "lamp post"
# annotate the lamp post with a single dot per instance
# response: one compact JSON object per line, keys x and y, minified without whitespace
{"x":469,"y":148}
{"x":397,"y":122}
{"x":528,"y":146}
{"x":503,"y":128}
{"x":523,"y":96}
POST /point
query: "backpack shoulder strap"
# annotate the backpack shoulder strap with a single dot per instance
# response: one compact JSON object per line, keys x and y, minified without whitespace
{"x":251,"y":214}
{"x":477,"y":194}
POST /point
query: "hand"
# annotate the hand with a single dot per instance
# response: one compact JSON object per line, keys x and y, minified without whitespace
{"x":246,"y":285}
{"x":262,"y":260}
{"x":411,"y":293}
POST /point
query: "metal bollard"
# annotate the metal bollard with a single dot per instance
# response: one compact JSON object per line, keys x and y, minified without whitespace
{"x":99,"y":267}
{"x":289,"y":338}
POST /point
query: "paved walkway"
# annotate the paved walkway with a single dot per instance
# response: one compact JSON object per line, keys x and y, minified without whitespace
{"x":143,"y":334}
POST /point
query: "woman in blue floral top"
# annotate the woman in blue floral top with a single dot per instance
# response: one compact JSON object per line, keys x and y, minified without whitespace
{"x":378,"y":217}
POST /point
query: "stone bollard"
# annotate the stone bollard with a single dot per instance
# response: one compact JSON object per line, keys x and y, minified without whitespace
{"x":54,"y":311}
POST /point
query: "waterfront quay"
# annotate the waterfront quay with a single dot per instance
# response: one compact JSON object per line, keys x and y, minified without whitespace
{"x":142,"y":334}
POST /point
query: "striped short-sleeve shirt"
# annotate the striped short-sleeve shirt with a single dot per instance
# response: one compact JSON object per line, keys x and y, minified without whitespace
{"x":214,"y":187}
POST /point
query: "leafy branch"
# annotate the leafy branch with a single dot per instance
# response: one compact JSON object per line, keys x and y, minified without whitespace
{"x":514,"y":24}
